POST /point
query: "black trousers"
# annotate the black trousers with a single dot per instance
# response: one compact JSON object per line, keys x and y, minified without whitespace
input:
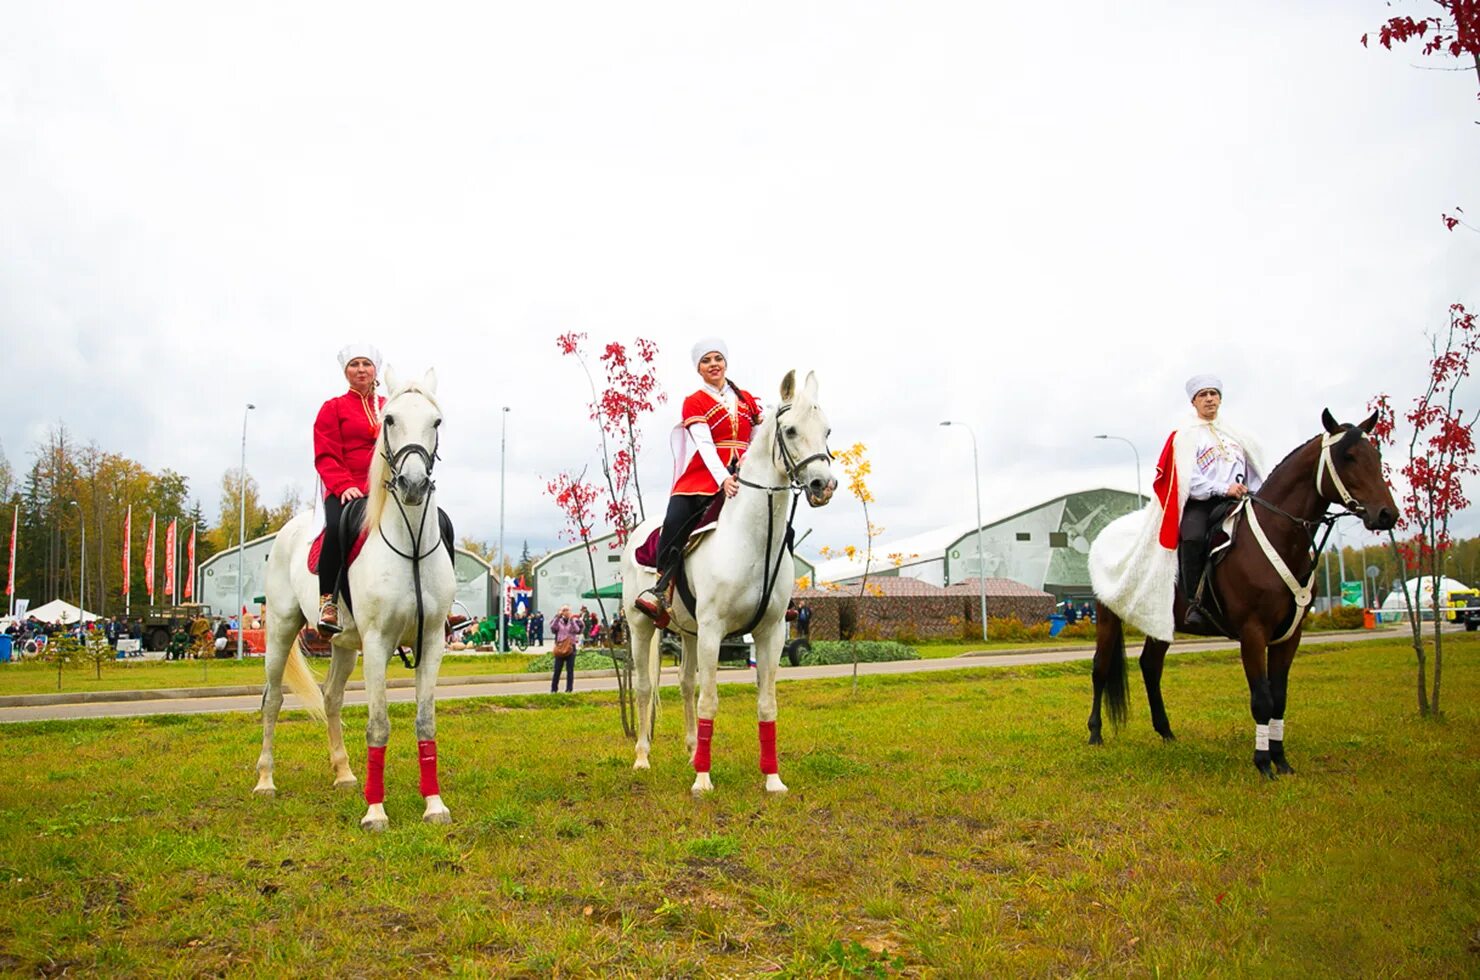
{"x":684,"y":513}
{"x":1192,"y":541}
{"x":331,"y":555}
{"x":567,"y":664}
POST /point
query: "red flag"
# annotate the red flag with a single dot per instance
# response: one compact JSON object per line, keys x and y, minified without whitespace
{"x":149,"y":562}
{"x":190,"y":564}
{"x":10,"y":581}
{"x":128,"y":533}
{"x":169,"y":559}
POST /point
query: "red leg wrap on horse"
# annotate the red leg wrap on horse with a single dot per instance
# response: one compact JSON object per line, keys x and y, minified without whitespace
{"x":768,"y":748}
{"x":375,"y":775}
{"x":426,"y":754}
{"x":701,"y":751}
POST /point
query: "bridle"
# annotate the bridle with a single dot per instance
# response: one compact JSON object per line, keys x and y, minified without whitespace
{"x":788,"y":463}
{"x":394,"y":462}
{"x":1325,"y":468}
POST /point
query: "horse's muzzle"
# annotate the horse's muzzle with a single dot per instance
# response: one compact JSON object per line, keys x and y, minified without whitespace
{"x":413,"y":492}
{"x":819,"y":492}
{"x":1384,"y":519}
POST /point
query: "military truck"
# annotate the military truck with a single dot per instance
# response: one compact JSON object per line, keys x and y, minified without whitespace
{"x":160,"y":622}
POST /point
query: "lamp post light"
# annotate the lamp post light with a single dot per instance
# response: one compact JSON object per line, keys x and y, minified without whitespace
{"x":241,"y":535}
{"x":82,"y":563}
{"x":503,"y":445}
{"x":1139,"y":498}
{"x":981,"y":564}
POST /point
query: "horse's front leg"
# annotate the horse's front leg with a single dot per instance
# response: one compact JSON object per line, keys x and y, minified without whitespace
{"x":377,"y":650}
{"x":769,"y":639}
{"x":1281,"y":656}
{"x":641,"y":636}
{"x":707,"y":663}
{"x":1261,"y":703}
{"x":340,"y":667}
{"x":426,"y":723}
{"x":1153,"y":659}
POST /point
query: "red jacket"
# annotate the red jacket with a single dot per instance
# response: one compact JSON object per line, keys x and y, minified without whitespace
{"x":731,"y":434}
{"x":344,"y":437}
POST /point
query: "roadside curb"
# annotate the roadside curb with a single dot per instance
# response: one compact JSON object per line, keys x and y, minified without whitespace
{"x":244,"y":690}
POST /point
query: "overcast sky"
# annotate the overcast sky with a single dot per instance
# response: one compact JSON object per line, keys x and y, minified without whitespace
{"x":1036,"y":225}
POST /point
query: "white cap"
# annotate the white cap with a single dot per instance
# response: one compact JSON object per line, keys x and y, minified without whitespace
{"x":351,"y":351}
{"x":1202,"y":382}
{"x":707,"y":345}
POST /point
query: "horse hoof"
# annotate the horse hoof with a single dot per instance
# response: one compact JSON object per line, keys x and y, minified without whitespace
{"x":702,"y":785}
{"x":1095,"y":739}
{"x":375,"y":825}
{"x":437,"y":816}
{"x":1168,"y":737}
{"x":343,"y":785}
{"x":775,"y":785}
{"x":1284,"y":769}
{"x":641,"y":764}
{"x":265,"y":792}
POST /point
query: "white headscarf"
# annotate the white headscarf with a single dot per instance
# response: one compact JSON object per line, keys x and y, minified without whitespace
{"x":1202,"y":382}
{"x":706,"y":345}
{"x":351,"y":351}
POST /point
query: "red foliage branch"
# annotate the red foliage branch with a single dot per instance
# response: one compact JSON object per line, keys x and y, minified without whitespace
{"x":1455,"y":34}
{"x":576,"y":500}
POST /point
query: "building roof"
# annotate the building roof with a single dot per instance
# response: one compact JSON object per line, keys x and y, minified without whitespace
{"x":995,"y":587}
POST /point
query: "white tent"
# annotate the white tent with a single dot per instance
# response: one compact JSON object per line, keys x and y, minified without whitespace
{"x":1420,"y":592}
{"x":57,"y":611}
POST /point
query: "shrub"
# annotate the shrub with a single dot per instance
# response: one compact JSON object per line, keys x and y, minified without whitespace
{"x":1014,"y":630}
{"x":869,"y":651}
{"x":597,"y":659}
{"x":1081,"y":630}
{"x":1340,"y":618}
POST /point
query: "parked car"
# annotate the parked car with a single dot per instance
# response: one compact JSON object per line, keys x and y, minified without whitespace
{"x":1470,"y":614}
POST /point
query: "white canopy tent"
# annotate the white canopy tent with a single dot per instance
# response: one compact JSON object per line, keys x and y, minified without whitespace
{"x":1420,"y":592}
{"x":57,"y":611}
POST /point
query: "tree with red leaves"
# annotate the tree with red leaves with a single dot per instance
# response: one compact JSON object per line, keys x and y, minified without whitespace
{"x":1441,"y":448}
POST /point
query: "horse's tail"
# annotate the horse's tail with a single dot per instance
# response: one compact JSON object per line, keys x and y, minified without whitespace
{"x":654,"y":668}
{"x":300,"y":681}
{"x":1110,"y":641}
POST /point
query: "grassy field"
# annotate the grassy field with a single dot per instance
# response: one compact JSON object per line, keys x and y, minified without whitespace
{"x":950,"y":824}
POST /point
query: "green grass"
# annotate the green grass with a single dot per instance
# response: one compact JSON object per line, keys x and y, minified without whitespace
{"x":939,"y":824}
{"x":35,"y":677}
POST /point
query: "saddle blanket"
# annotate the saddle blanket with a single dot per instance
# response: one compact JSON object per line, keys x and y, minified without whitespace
{"x":349,"y":559}
{"x":646,"y":554}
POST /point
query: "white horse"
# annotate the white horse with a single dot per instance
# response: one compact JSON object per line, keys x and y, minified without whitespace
{"x":728,"y":571}
{"x":402,"y":520}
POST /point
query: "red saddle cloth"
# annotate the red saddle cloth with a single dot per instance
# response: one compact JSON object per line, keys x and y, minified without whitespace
{"x":646,"y":554}
{"x":349,"y":559}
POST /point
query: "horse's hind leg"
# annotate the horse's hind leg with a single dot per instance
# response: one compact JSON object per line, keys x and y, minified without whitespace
{"x":281,"y":631}
{"x":340,"y":667}
{"x":1281,"y":657}
{"x":1109,"y":671}
{"x":1153,"y":659}
{"x":688,"y":687}
{"x":645,"y":668}
{"x":707,"y":663}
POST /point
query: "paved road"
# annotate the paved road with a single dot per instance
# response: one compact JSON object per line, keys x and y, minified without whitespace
{"x":212,"y":705}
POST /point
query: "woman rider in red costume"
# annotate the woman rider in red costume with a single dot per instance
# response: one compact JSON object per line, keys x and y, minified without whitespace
{"x":709,"y":443}
{"x":344,"y":436}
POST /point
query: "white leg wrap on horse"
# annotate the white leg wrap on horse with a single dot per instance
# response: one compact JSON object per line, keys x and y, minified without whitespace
{"x":1277,"y":729}
{"x":1261,"y":738}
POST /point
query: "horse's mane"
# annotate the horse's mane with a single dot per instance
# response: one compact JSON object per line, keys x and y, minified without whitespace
{"x":379,"y":468}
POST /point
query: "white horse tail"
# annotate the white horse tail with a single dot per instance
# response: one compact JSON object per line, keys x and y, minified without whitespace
{"x":300,"y":681}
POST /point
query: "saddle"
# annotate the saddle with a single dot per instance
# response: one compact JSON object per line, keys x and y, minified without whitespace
{"x":646,"y":554}
{"x":1223,"y":524}
{"x":352,"y":528}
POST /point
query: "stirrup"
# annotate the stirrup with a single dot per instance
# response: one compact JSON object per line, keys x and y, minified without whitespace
{"x":651,"y":605}
{"x":328,"y":616}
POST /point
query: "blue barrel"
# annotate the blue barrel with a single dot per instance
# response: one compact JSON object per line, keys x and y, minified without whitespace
{"x":5,"y":648}
{"x":1056,"y":624}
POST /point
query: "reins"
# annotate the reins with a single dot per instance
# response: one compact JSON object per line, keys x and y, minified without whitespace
{"x":394,"y":463}
{"x":1303,"y":593}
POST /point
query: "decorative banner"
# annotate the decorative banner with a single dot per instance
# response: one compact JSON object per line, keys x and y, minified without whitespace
{"x":169,"y":559}
{"x":10,"y":580}
{"x":128,"y":533}
{"x":190,"y":564}
{"x":1351,"y":594}
{"x":149,"y":562}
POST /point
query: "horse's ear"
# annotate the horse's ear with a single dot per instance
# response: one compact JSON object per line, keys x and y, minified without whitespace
{"x":1366,"y":426}
{"x":390,"y":380}
{"x":788,"y":386}
{"x":429,"y":381}
{"x":1332,"y":426}
{"x":810,"y":387}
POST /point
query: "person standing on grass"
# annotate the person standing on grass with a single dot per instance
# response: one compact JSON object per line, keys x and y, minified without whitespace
{"x":537,"y":629}
{"x":565,"y":631}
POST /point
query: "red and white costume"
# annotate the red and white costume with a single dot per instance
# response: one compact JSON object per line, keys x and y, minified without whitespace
{"x":1133,"y":562}
{"x":715,"y":432}
{"x":344,"y":435}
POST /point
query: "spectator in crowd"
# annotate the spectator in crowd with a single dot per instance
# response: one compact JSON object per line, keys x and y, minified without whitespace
{"x":221,"y":637}
{"x":537,"y":629}
{"x":565,"y":631}
{"x":804,"y":619}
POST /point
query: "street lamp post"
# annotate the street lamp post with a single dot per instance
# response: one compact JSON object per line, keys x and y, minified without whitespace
{"x":1137,"y":453}
{"x":981,"y":564}
{"x":503,"y":445}
{"x":241,"y":535}
{"x":82,"y":563}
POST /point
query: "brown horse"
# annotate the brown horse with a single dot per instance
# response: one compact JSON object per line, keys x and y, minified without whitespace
{"x":1258,"y":601}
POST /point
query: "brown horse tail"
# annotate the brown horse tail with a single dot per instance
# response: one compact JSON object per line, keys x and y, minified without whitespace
{"x":1112,"y":641}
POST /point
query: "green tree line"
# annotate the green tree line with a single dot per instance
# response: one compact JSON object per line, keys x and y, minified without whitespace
{"x":70,"y":485}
